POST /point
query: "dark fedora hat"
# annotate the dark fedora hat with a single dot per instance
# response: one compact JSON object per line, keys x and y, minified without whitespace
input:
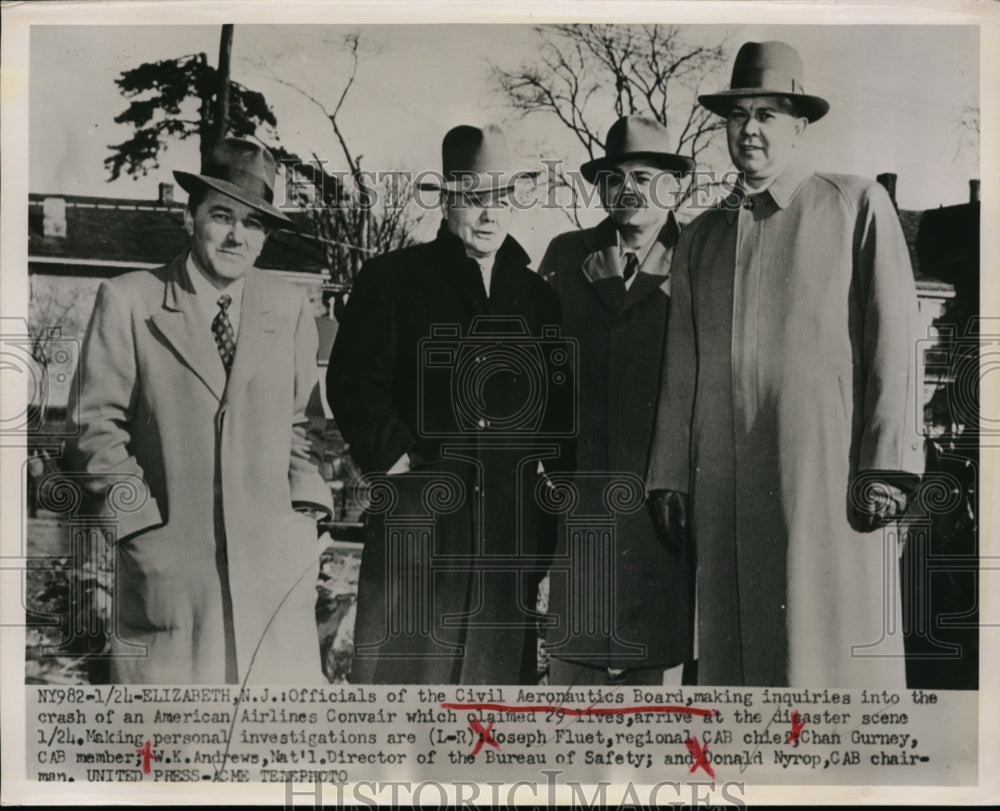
{"x":475,"y":159}
{"x":634,"y":137}
{"x":767,"y":69}
{"x":240,"y":169}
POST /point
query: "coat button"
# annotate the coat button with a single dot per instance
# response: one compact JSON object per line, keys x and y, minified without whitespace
{"x":482,"y":422}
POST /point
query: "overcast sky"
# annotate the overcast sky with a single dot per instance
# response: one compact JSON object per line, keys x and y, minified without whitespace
{"x":897,"y":94}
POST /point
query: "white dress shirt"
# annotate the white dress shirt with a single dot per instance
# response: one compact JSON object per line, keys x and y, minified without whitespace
{"x":486,"y":268}
{"x":207,"y":296}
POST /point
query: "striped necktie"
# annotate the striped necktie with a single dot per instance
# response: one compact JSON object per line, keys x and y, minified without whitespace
{"x":222,"y":329}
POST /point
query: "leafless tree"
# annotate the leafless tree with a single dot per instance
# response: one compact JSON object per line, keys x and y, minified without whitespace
{"x":968,"y":130}
{"x":360,"y":213}
{"x":55,"y":312}
{"x":582,"y":72}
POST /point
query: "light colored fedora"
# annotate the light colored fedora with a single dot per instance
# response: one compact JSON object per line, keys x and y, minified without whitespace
{"x":475,"y":160}
{"x":242,"y":170}
{"x":767,"y":69}
{"x":634,"y":137}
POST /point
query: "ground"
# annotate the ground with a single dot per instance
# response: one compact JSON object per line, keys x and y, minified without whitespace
{"x":58,"y":653}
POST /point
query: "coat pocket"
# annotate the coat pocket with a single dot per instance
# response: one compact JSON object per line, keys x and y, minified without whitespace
{"x":150,"y":581}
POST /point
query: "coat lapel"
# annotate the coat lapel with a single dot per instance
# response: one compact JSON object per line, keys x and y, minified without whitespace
{"x":653,"y":273}
{"x":603,"y":264}
{"x":256,"y":328}
{"x":461,"y":275}
{"x":180,"y":326}
{"x":507,"y":289}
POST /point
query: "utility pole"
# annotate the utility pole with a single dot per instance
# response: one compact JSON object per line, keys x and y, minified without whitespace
{"x":221,"y":113}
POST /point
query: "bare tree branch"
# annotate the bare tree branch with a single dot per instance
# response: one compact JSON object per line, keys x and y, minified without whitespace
{"x":582,"y":72}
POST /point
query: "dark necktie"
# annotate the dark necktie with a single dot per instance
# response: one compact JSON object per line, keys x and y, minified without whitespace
{"x":222,"y":329}
{"x":631,"y":266}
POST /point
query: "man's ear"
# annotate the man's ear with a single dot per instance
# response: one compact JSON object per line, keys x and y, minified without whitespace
{"x":188,"y":222}
{"x":800,"y":125}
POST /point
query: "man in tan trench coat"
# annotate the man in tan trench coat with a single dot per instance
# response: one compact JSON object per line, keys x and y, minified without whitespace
{"x":194,"y":380}
{"x":789,"y":410}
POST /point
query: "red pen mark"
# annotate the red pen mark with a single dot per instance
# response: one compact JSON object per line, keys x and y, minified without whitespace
{"x":592,"y":710}
{"x":797,"y":725}
{"x":485,"y":736}
{"x":700,"y":755}
{"x":147,"y":756}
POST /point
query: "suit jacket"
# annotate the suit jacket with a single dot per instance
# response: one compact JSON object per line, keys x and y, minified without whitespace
{"x":216,"y":572}
{"x":406,"y":376}
{"x":621,"y":335}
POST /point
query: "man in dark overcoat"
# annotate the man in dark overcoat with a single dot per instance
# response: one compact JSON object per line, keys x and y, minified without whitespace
{"x":614,"y":284}
{"x":446,"y":374}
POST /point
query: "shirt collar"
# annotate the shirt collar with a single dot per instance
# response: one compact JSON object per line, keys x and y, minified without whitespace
{"x":781,"y":191}
{"x":208,"y":292}
{"x":785,"y":186}
{"x":640,"y":253}
{"x":667,"y":234}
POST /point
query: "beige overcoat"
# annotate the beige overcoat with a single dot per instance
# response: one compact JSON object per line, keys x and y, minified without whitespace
{"x":792,"y":369}
{"x":212,"y":540}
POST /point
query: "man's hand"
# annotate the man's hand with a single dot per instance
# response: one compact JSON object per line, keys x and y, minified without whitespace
{"x":670,"y":516}
{"x":316,"y":513}
{"x":881,"y":503}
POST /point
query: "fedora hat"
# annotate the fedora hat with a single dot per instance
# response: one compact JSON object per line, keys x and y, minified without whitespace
{"x":767,"y":69}
{"x":475,"y":160}
{"x":633,"y":137}
{"x":240,"y":169}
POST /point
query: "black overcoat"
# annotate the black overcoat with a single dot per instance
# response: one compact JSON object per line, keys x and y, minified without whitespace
{"x":621,"y":337}
{"x":452,"y":556}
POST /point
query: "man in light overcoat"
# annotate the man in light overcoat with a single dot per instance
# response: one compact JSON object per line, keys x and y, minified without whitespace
{"x":789,"y":412}
{"x":194,"y":380}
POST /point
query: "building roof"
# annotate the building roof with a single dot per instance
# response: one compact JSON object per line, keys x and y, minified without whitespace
{"x":947,"y":242}
{"x":119,"y":230}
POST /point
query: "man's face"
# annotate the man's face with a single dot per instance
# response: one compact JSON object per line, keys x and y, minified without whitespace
{"x":637,"y":193}
{"x":481,"y":221}
{"x":763,"y":132}
{"x":227,"y":236}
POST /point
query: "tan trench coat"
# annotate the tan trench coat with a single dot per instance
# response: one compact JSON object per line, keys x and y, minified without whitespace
{"x":217,"y":536}
{"x":791,"y":368}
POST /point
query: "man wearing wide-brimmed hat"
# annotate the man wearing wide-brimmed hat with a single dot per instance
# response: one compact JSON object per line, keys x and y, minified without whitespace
{"x":194,"y":380}
{"x":790,"y":402}
{"x":614,"y":284}
{"x":432,"y":398}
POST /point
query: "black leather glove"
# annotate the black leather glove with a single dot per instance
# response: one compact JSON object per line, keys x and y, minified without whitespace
{"x":670,"y":516}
